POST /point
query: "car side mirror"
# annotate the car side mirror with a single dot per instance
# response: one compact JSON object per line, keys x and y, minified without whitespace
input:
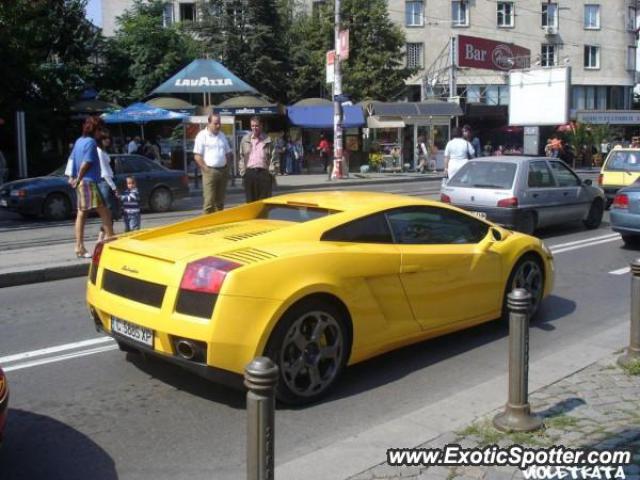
{"x":587,"y":181}
{"x":495,"y":233}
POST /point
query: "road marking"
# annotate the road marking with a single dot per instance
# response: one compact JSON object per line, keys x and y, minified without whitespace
{"x":59,"y":358}
{"x":584,"y":240}
{"x":620,"y":271}
{"x":56,"y":349}
{"x":584,"y":245}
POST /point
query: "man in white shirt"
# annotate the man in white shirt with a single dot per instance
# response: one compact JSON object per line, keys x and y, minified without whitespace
{"x":213,"y":154}
{"x":133,"y":145}
{"x":457,"y":152}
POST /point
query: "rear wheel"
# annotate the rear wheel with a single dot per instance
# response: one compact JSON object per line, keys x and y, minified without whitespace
{"x":310,"y":345}
{"x":528,"y":274}
{"x":56,"y":207}
{"x":594,"y":217}
{"x":160,"y":200}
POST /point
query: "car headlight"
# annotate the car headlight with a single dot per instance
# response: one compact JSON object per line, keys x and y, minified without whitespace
{"x":18,"y":193}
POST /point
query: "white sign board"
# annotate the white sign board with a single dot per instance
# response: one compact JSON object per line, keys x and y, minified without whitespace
{"x":331,"y":59}
{"x":620,"y":117}
{"x":539,"y":97}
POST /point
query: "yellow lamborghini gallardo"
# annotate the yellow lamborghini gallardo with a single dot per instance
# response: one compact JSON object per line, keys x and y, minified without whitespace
{"x":316,"y":281}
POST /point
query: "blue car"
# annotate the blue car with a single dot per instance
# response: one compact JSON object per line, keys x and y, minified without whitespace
{"x":625,"y":214}
{"x":52,"y":197}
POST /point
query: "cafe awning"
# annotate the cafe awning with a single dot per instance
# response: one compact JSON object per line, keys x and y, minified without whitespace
{"x":385,"y":122}
{"x":246,"y":105}
{"x":321,"y":116}
{"x":172,"y":103}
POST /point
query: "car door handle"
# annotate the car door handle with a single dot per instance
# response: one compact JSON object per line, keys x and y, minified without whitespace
{"x":535,"y":195}
{"x":410,"y":268}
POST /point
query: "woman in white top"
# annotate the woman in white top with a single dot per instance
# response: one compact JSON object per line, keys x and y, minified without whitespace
{"x":107,"y":186}
{"x":456,"y":153}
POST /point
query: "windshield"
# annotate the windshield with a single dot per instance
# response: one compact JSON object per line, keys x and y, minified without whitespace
{"x":293,"y":213}
{"x":623,"y":161}
{"x":495,"y":175}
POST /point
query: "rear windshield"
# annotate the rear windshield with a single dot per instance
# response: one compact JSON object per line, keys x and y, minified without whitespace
{"x":293,"y":213}
{"x":623,"y":161}
{"x":495,"y":175}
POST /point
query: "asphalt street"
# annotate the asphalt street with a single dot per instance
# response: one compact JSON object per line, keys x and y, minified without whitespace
{"x":86,"y":410}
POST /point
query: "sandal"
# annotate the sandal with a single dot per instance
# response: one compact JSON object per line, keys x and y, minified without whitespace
{"x":83,"y":254}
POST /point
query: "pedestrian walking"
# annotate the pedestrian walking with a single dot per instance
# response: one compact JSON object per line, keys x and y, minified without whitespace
{"x":133,"y":145}
{"x":258,"y":163}
{"x":456,"y":153}
{"x":130,"y":199}
{"x":106,"y":185}
{"x":85,"y":175}
{"x":213,"y":155}
{"x":324,"y":149}
{"x":468,"y":135}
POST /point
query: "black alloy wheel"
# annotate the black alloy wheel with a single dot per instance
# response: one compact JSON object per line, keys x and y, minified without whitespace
{"x":528,"y":274}
{"x":594,"y":217}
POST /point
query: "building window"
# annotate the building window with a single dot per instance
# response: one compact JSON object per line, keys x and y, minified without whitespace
{"x":505,"y":14}
{"x":167,"y":14}
{"x":548,"y":55}
{"x":591,"y":56}
{"x":414,"y":13}
{"x":459,"y":14}
{"x":488,"y":95}
{"x":550,"y":15}
{"x":592,"y":17}
{"x":415,"y":57}
{"x":187,"y":12}
{"x":631,"y":59}
{"x":631,"y":19}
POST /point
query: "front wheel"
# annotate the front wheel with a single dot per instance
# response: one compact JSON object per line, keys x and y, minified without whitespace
{"x":310,"y":345}
{"x":594,"y":217}
{"x":56,"y":207}
{"x":527,"y":274}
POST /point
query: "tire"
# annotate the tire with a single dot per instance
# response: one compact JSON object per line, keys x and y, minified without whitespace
{"x":160,"y":200}
{"x":304,"y":375}
{"x":56,"y":206}
{"x":631,"y":240}
{"x":527,"y":223}
{"x":594,"y":217}
{"x":528,"y":266}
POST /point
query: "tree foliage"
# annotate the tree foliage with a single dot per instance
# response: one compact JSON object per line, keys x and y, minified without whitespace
{"x":143,"y":53}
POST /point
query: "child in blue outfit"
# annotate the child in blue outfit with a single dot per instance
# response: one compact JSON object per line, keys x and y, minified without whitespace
{"x":131,"y":206}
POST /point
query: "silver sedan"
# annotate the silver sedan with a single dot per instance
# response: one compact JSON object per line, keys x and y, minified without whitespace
{"x":525,"y":193}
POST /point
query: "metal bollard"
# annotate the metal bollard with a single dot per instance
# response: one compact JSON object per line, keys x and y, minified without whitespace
{"x":517,"y":413}
{"x":260,"y":377}
{"x":633,"y":351}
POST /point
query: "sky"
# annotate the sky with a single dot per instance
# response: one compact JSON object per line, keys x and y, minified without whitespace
{"x":93,"y":12}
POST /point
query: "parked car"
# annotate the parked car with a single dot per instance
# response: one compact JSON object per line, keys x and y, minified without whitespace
{"x":4,"y":402}
{"x":52,"y":197}
{"x":525,"y":193}
{"x":313,"y":280}
{"x":619,"y":170}
{"x":625,"y":214}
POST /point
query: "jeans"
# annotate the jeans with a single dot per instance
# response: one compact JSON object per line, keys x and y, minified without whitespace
{"x":131,"y":221}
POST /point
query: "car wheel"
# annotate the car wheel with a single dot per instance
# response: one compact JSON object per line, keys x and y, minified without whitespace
{"x":56,"y":207}
{"x":594,"y":217}
{"x":310,"y":345}
{"x":527,"y":274}
{"x":160,"y":200}
{"x":631,"y":240}
{"x":527,"y":223}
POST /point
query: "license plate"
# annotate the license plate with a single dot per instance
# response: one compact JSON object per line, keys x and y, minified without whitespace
{"x":132,"y":331}
{"x":479,"y":214}
{"x":3,"y":203}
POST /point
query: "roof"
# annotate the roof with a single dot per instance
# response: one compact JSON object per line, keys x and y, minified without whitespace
{"x":313,"y":101}
{"x":408,"y":109}
{"x":506,"y":159}
{"x":348,"y":200}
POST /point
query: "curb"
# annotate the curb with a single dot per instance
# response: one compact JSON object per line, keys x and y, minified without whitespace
{"x":14,"y":279}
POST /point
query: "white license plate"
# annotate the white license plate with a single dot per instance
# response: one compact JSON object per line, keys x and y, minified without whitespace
{"x":132,"y":331}
{"x":479,"y":214}
{"x":3,"y":203}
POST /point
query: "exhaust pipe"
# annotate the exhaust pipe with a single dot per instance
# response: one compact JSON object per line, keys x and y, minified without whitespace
{"x":186,"y":349}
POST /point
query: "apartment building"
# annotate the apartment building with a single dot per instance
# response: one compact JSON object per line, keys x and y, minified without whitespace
{"x":174,"y":11}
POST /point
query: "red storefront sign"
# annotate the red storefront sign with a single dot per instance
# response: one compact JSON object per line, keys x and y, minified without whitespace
{"x":488,"y":54}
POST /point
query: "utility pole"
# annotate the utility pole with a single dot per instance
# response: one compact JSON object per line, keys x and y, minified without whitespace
{"x":337,"y":102}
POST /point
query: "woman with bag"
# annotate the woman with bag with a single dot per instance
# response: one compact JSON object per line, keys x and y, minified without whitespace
{"x":457,"y":152}
{"x":106,"y":185}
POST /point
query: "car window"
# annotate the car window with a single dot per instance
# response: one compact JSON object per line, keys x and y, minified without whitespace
{"x":539,"y":175}
{"x":134,"y":165}
{"x":370,"y":229}
{"x":494,"y":175}
{"x":564,"y":176}
{"x":293,"y":213}
{"x":623,"y":161}
{"x":435,"y":226}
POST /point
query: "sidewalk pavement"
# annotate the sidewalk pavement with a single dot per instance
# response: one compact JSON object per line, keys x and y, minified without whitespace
{"x":57,"y":261}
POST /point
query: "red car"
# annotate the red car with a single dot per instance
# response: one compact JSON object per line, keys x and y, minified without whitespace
{"x":4,"y":401}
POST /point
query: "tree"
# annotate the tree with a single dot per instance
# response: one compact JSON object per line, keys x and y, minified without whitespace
{"x":375,"y":68}
{"x":143,"y":53}
{"x":249,"y":39}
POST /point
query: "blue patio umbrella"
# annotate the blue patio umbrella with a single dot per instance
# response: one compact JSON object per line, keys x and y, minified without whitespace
{"x":141,"y":113}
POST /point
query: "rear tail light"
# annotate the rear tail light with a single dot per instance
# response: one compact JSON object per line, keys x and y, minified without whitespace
{"x":621,"y":201}
{"x":95,"y":262}
{"x":600,"y":177}
{"x":206,"y":275}
{"x":511,"y":202}
{"x":444,"y":198}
